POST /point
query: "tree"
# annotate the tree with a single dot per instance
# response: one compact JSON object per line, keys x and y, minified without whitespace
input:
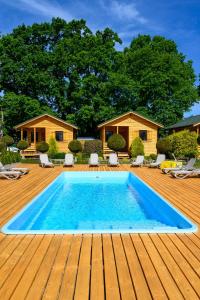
{"x":66,"y":69}
{"x":75,"y":146}
{"x":53,"y":147}
{"x":42,"y":147}
{"x":19,"y":108}
{"x":164,"y":80}
{"x":137,"y":147}
{"x":22,"y":145}
{"x":116,"y":142}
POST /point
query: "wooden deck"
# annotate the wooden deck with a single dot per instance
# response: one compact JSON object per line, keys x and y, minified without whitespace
{"x":131,"y":266}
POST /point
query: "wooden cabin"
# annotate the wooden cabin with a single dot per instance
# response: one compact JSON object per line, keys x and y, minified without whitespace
{"x":192,"y":124}
{"x":130,"y":125}
{"x":43,"y":127}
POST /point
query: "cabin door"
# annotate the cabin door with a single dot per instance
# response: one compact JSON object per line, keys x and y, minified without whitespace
{"x":124,"y":131}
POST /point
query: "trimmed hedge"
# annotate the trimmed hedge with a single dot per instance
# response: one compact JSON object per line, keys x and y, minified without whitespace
{"x":22,"y":145}
{"x":137,"y":147}
{"x":93,"y":146}
{"x":75,"y":146}
{"x":116,"y":142}
{"x":53,"y":147}
{"x":42,"y":147}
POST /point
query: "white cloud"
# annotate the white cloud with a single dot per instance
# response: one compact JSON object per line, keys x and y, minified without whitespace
{"x":127,"y":11}
{"x":43,"y":7}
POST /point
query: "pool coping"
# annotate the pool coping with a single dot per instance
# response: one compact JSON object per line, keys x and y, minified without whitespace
{"x":194,"y":228}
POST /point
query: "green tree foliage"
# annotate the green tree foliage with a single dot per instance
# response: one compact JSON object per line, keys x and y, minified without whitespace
{"x":116,"y":142}
{"x":22,"y":145}
{"x":79,"y":75}
{"x":8,"y":157}
{"x":42,"y":147}
{"x":19,"y":108}
{"x":53,"y":147}
{"x":75,"y":146}
{"x":137,"y":147}
{"x":93,"y":146}
{"x":7,"y":140}
{"x":164,"y":81}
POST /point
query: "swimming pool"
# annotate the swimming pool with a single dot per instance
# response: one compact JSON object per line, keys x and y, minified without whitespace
{"x":98,"y":202}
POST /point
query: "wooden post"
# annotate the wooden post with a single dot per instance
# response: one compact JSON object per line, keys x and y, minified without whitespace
{"x":34,"y":136}
{"x":117,"y":129}
{"x":22,"y":134}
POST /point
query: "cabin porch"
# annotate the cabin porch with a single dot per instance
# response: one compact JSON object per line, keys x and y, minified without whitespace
{"x":32,"y":135}
{"x":107,"y":131}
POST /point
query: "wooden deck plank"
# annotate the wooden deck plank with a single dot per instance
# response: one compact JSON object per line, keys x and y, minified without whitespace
{"x":97,"y":276}
{"x":158,"y":266}
{"x":124,"y":277}
{"x":138,"y":278}
{"x":15,"y":276}
{"x":111,"y":280}
{"x":38,"y":285}
{"x":167,"y":281}
{"x":83,"y":276}
{"x":28,"y":276}
{"x":53,"y":285}
{"x":69,"y":278}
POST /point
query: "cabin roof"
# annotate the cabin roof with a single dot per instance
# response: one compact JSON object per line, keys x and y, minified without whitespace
{"x":45,"y":115}
{"x":130,"y":113}
{"x":191,"y":121}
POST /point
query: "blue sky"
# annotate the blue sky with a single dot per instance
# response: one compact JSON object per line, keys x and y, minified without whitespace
{"x":175,"y":19}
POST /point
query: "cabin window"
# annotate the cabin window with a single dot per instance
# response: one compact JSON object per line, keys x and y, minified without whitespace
{"x":143,"y":135}
{"x":59,"y":136}
{"x":108,"y":134}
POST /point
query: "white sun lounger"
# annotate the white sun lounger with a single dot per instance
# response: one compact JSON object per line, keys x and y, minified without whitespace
{"x":185,"y":173}
{"x":113,"y":159}
{"x":44,"y":161}
{"x":159,"y":160}
{"x":22,"y":170}
{"x":69,"y":160}
{"x":138,"y":162}
{"x":188,"y":167}
{"x":10,"y":174}
{"x":94,"y":159}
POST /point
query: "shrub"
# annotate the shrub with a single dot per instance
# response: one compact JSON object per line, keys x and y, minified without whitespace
{"x":42,"y":147}
{"x":8,"y":157}
{"x":137,"y":147}
{"x":75,"y":146}
{"x":22,"y":145}
{"x":2,"y":147}
{"x":59,"y":155}
{"x":164,"y":146}
{"x":116,"y":142}
{"x":94,"y":146}
{"x":153,"y":156}
{"x":7,"y":140}
{"x":198,"y":140}
{"x":184,"y":144}
{"x":53,"y":147}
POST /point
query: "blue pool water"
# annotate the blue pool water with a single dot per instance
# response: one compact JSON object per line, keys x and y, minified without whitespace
{"x":82,"y":202}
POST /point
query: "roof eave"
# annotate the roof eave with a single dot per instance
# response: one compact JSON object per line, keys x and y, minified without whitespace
{"x":33,"y":119}
{"x":130,"y":112}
